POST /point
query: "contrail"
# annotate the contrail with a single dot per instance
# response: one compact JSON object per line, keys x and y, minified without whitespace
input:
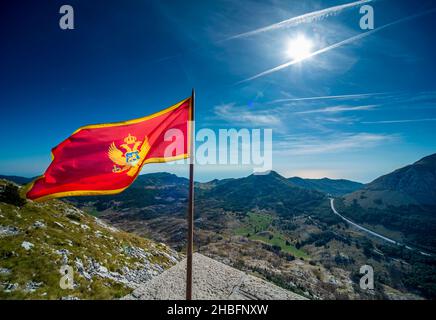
{"x":339,"y":109}
{"x":399,"y":121}
{"x":336,"y":45}
{"x":305,"y":18}
{"x":343,"y":96}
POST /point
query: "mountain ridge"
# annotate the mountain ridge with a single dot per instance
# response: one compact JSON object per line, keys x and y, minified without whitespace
{"x":410,"y":185}
{"x":17,"y":179}
{"x":334,"y":187}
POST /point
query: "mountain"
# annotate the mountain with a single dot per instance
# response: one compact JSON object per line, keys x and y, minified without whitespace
{"x":269,"y":226}
{"x":335,"y":187}
{"x":38,"y":239}
{"x":161,"y":193}
{"x":411,"y":185}
{"x":265,"y":225}
{"x":151,"y":189}
{"x":17,"y":179}
{"x":263,"y":191}
{"x":155,"y":205}
{"x":402,"y":201}
{"x":158,"y":188}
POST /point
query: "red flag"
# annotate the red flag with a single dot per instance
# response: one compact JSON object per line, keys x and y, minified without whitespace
{"x":107,"y":158}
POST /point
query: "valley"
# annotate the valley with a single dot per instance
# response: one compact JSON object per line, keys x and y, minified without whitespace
{"x":285,"y":232}
{"x":273,"y":228}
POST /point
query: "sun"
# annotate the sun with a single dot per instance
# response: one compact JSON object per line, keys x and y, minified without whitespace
{"x":299,"y":47}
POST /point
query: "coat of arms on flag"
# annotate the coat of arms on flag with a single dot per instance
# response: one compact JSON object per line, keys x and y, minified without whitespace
{"x":130,"y":159}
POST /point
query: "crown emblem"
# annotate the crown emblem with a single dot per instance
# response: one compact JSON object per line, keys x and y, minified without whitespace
{"x":130,"y":139}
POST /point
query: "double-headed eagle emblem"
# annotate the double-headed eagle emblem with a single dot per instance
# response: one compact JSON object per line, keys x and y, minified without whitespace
{"x":130,"y":160}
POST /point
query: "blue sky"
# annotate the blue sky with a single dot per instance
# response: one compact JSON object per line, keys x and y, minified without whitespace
{"x":356,"y":111}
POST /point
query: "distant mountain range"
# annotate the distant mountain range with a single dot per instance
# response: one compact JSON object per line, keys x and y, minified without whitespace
{"x":403,"y":200}
{"x":268,"y":191}
{"x":411,"y":185}
{"x":168,"y":193}
{"x":333,"y":187}
{"x":271,"y":191}
{"x":16,"y":179}
{"x":414,"y":184}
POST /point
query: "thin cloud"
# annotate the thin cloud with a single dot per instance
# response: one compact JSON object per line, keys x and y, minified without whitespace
{"x":335,"y":45}
{"x":338,"y":120}
{"x":309,"y":145}
{"x":336,"y":97}
{"x":399,"y":121}
{"x":336,"y":109}
{"x":231,"y":113}
{"x":305,"y":18}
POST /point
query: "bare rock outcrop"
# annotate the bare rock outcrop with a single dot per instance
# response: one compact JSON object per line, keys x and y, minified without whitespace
{"x":211,"y":280}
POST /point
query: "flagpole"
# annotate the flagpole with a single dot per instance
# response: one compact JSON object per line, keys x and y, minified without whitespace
{"x":190,"y":204}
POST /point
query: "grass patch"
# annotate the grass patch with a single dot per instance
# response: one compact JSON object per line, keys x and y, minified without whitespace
{"x":55,"y":225}
{"x":254,"y":223}
{"x":279,"y":240}
{"x":258,"y":226}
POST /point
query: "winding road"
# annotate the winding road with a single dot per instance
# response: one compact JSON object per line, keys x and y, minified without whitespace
{"x":375,"y":234}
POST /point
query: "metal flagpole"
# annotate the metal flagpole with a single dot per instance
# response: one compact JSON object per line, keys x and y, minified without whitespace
{"x":190,"y":204}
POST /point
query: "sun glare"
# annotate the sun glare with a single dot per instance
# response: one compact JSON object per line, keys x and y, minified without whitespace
{"x":299,"y":47}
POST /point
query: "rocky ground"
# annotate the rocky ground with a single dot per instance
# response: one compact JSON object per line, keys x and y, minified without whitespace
{"x":41,"y":242}
{"x":211,"y":280}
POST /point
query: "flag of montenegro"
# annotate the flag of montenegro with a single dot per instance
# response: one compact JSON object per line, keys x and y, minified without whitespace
{"x":106,"y":158}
